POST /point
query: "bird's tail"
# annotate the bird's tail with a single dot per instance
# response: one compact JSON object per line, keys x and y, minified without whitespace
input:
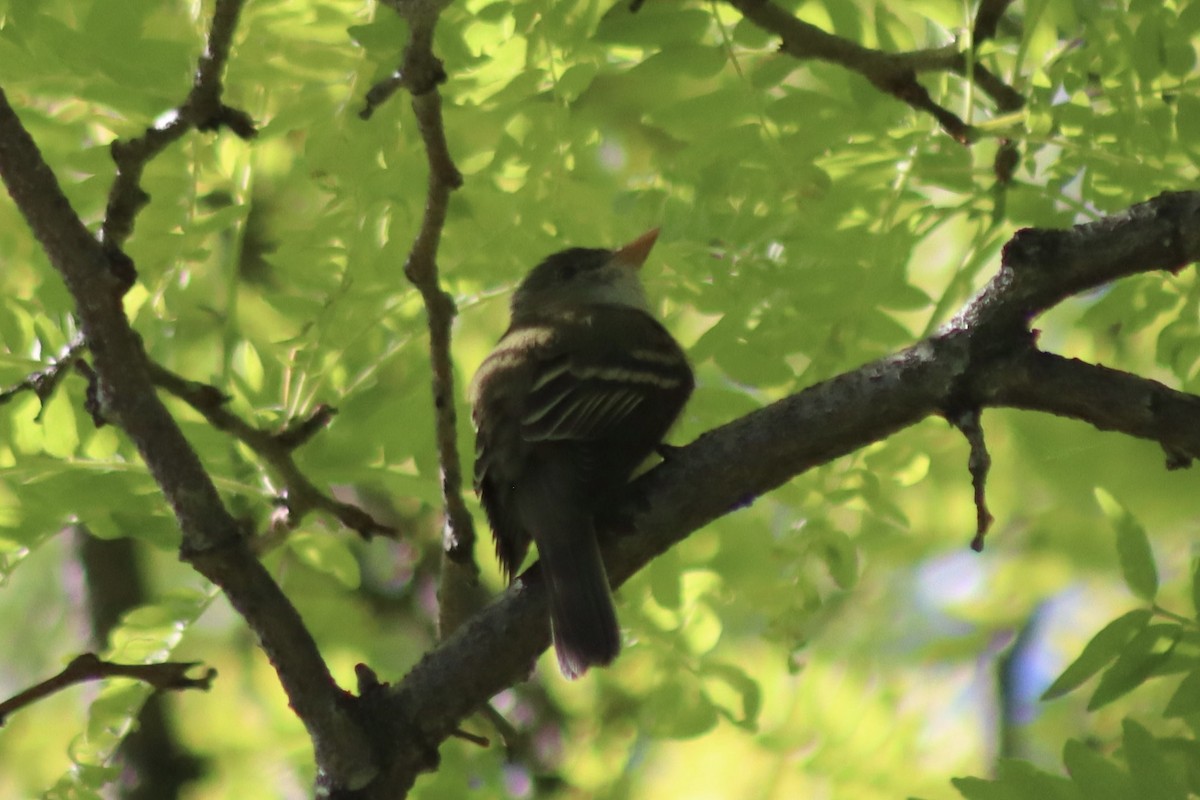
{"x":582,"y":616}
{"x":583,"y":620}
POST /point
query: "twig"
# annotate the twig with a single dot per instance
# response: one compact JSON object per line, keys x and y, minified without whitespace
{"x":300,"y":495}
{"x":43,"y":382}
{"x":893,"y":73}
{"x":987,"y":18}
{"x":473,"y":738}
{"x":202,"y":110}
{"x":89,"y":667}
{"x":420,"y":73}
{"x":978,"y":464}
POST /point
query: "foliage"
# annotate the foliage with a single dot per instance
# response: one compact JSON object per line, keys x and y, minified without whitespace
{"x":832,"y":638}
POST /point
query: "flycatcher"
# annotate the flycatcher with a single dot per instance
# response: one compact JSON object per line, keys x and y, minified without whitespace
{"x":578,"y":392}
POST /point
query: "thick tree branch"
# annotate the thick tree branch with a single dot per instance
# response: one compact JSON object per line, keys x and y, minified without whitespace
{"x":1041,"y":268}
{"x":212,"y":541}
{"x":892,"y":73}
{"x":1107,"y":398}
{"x":985,"y":357}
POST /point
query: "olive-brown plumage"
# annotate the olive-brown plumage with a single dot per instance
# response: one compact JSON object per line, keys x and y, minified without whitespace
{"x":577,"y":393}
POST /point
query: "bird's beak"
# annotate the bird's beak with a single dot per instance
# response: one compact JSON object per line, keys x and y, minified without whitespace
{"x":633,"y":255}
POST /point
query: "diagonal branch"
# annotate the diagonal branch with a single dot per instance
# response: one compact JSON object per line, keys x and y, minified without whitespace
{"x":1041,"y":268}
{"x":300,"y":495}
{"x":212,"y":540}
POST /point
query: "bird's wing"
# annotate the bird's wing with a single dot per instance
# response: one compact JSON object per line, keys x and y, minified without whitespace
{"x":583,"y":393}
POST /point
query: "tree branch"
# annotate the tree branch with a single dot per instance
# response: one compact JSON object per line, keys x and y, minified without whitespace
{"x":980,"y":358}
{"x":987,"y":19}
{"x":892,"y":73}
{"x":43,"y":382}
{"x":300,"y":495}
{"x":460,"y":594}
{"x":89,"y":667}
{"x":1109,"y":399}
{"x":203,"y":110}
{"x":212,"y":540}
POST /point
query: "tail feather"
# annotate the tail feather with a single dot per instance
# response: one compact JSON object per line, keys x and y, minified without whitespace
{"x":551,"y":504}
{"x":583,"y":620}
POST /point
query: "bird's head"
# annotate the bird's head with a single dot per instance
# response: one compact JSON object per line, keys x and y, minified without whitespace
{"x":585,"y":276}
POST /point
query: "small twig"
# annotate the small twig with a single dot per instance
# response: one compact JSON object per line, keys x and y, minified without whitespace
{"x":298,"y":433}
{"x":893,"y":73}
{"x":300,"y":495}
{"x":88,"y":667}
{"x":979,"y":463}
{"x":202,"y":110}
{"x":987,"y":18}
{"x":43,"y":382}
{"x":515,"y":743}
{"x":420,"y":73}
{"x":473,"y":738}
{"x":378,"y":94}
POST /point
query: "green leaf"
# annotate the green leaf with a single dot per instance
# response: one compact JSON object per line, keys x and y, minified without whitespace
{"x":679,"y":710}
{"x":841,"y":557}
{"x":1149,"y":769}
{"x":328,"y":554}
{"x":980,"y":789}
{"x":114,"y":710}
{"x":574,"y":80}
{"x":248,"y":367}
{"x":1097,"y":777}
{"x":150,"y":632}
{"x":1133,"y":547}
{"x":653,"y":25}
{"x":1018,"y":780}
{"x":1135,"y":664}
{"x":1103,"y":648}
{"x":83,"y":783}
{"x":58,"y":422}
{"x":1186,"y":699}
{"x":721,"y":678}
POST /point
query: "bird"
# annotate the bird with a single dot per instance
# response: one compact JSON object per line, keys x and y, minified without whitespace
{"x":576,"y":395}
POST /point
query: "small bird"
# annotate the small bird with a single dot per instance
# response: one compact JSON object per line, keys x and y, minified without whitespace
{"x":578,"y":392}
